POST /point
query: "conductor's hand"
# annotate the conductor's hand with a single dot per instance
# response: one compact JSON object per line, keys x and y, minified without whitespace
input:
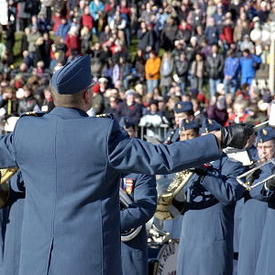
{"x":235,"y":136}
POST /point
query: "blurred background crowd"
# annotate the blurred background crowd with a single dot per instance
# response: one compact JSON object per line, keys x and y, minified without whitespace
{"x":147,"y":56}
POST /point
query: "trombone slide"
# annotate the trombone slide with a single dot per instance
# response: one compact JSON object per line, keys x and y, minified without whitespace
{"x":241,"y":179}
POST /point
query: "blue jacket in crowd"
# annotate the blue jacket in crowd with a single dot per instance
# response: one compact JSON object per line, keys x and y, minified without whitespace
{"x":248,"y":67}
{"x":231,"y":66}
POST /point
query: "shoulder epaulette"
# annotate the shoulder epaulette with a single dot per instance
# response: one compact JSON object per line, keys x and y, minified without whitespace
{"x":36,"y":114}
{"x":105,"y":116}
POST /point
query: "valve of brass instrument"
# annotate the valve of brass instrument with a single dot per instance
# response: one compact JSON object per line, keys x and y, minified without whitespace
{"x":5,"y":175}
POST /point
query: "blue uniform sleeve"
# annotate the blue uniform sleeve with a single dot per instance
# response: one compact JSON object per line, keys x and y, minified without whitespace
{"x":134,"y":155}
{"x":7,"y":152}
{"x":261,"y":192}
{"x":17,"y":188}
{"x":143,"y":208}
{"x":222,"y":183}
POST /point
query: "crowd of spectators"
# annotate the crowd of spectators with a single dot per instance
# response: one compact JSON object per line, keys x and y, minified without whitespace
{"x":146,"y":56}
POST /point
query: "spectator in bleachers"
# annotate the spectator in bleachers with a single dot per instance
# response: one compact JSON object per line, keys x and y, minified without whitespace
{"x":197,"y":72}
{"x":63,"y":28}
{"x":97,"y":12}
{"x":249,"y":64}
{"x":152,"y":71}
{"x":87,"y":19}
{"x":217,"y":109}
{"x":231,"y":70}
{"x":73,"y":41}
{"x":152,"y":120}
{"x":98,"y":100}
{"x":27,"y":103}
{"x":214,"y":68}
{"x":181,"y":70}
{"x":212,"y":32}
{"x":130,"y":110}
{"x":166,"y":72}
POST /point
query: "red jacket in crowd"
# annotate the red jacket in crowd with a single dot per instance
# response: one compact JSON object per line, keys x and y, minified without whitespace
{"x":87,"y":21}
{"x":73,"y":44}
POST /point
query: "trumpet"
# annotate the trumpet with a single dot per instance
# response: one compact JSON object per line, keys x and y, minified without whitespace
{"x":125,"y":202}
{"x":246,"y":179}
{"x":5,"y":175}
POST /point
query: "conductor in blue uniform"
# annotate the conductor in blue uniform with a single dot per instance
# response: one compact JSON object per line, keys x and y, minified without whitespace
{"x":71,"y":165}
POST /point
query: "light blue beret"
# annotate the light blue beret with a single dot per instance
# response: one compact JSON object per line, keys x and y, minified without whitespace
{"x":265,"y":134}
{"x":73,"y":77}
{"x":183,"y":106}
{"x":209,"y":125}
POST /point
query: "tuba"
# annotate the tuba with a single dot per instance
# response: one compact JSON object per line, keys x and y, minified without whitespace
{"x":125,"y":201}
{"x":5,"y":174}
{"x":171,"y":202}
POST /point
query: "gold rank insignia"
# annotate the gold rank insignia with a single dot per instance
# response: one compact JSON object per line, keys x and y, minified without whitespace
{"x":265,"y":132}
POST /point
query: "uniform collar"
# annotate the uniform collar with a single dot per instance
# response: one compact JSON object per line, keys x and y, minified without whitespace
{"x":68,"y":112}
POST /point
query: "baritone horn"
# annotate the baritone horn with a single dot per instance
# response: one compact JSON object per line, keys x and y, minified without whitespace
{"x":171,"y":200}
{"x":5,"y":174}
{"x":246,"y":179}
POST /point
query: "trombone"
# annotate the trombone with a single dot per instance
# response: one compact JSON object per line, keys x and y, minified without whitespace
{"x":246,"y":179}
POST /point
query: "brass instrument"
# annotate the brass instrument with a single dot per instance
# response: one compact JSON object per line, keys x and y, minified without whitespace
{"x":5,"y":174}
{"x":171,"y":202}
{"x":155,"y":232}
{"x":125,"y":201}
{"x":246,"y":179}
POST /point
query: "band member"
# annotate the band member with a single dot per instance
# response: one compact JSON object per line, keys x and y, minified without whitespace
{"x":71,"y":165}
{"x":206,"y":243}
{"x":183,"y":110}
{"x":257,"y":224}
{"x":11,"y":216}
{"x":15,"y":213}
{"x":3,"y":220}
{"x":142,"y":191}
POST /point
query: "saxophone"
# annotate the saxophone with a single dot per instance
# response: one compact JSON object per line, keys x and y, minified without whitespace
{"x":5,"y":174}
{"x":171,"y":202}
